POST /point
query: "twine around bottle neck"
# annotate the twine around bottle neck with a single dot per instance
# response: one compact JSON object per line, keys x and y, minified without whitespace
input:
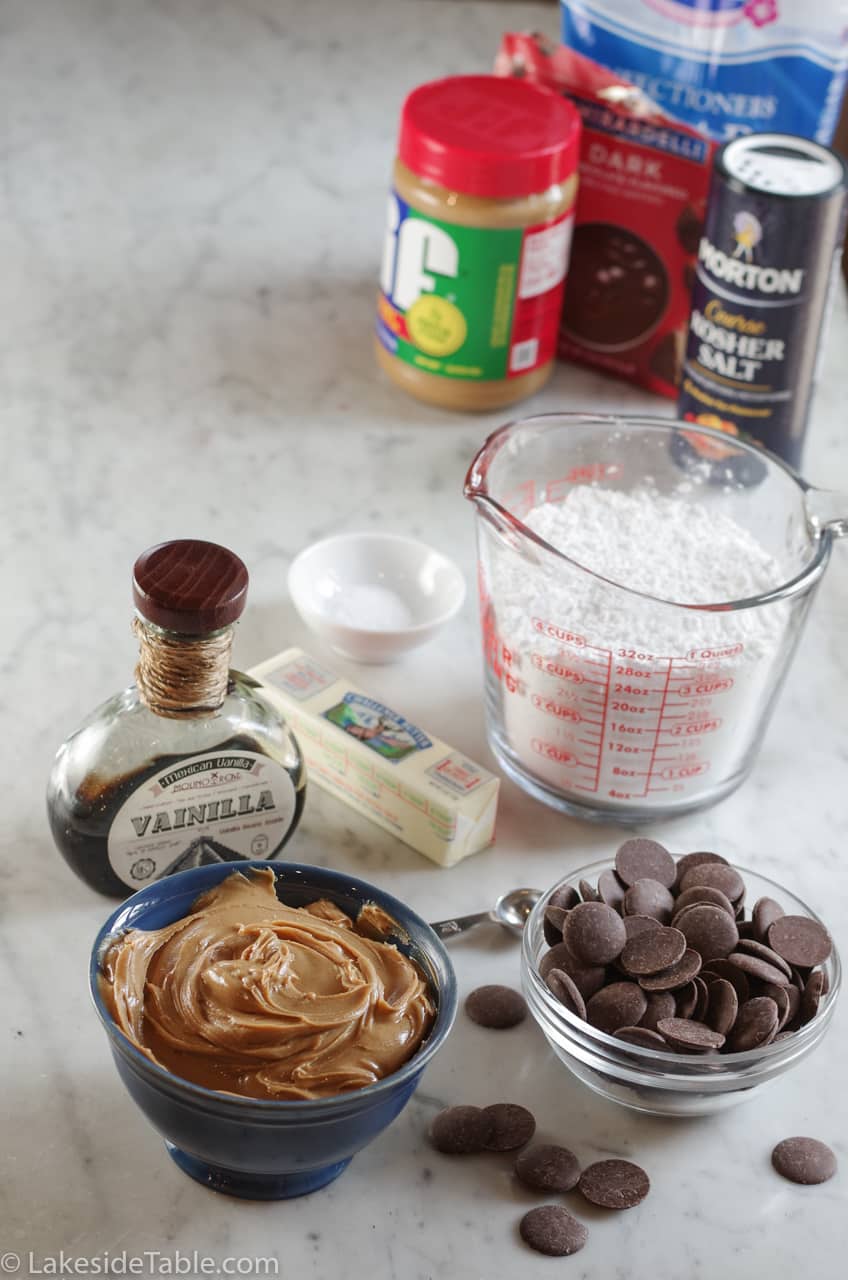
{"x":182,"y":677}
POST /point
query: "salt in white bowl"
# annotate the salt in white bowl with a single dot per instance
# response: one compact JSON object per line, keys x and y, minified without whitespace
{"x":374,"y":596}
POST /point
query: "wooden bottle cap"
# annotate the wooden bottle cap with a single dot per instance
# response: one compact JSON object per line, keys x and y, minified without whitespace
{"x":189,"y":586}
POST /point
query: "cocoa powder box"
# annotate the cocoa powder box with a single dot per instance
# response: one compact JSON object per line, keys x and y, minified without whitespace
{"x":644,"y":179}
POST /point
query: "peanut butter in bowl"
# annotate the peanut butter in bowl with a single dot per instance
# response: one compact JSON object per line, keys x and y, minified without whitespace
{"x":248,"y":996}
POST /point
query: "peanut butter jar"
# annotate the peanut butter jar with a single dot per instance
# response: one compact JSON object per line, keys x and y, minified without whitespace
{"x":477,"y":240}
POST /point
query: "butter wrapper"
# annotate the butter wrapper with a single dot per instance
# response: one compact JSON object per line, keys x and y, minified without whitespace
{"x":427,"y":794}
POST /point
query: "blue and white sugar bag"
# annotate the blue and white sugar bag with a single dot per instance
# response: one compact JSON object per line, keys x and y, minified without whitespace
{"x":725,"y":66}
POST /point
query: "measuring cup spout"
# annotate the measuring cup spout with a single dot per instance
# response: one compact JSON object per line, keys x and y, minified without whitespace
{"x":827,"y":511}
{"x":476,"y":489}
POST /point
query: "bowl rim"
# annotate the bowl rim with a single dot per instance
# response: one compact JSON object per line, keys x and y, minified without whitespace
{"x":294,"y":1107}
{"x":375,"y":535}
{"x":714,"y":1065}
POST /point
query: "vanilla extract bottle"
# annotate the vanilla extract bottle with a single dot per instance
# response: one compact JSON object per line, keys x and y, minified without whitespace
{"x":190,"y":764}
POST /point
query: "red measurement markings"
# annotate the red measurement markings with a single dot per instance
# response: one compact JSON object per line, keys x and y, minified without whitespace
{"x":553,"y":632}
{"x":652,"y":760}
{"x":521,"y":499}
{"x":557,"y":490}
{"x":553,"y":708}
{"x":558,"y":670}
{"x":680,"y":772}
{"x":499,"y":657}
{"x":713,"y":655}
{"x":694,"y":729}
{"x":550,"y":751}
{"x":704,"y":688}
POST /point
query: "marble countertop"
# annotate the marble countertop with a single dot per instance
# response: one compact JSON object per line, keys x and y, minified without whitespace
{"x":190,"y":217}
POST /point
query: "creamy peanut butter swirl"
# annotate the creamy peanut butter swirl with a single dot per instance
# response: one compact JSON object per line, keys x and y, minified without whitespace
{"x":248,"y":996}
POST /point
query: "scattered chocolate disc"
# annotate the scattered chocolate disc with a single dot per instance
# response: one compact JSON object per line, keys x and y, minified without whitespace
{"x":649,"y":898}
{"x":703,"y":893}
{"x":708,"y":930}
{"x":496,"y":1006}
{"x":511,"y":1126}
{"x":567,"y":992}
{"x":652,"y":951}
{"x":687,"y":967}
{"x":611,"y":890}
{"x":685,"y":1033}
{"x":645,"y":860}
{"x":460,"y":1131}
{"x":800,"y":940}
{"x":594,"y":933}
{"x":614,"y":1184}
{"x":759,"y":969}
{"x":810,"y":1000}
{"x":643,"y":1037}
{"x":621,"y":1004}
{"x":661,"y":1004}
{"x":804,"y":1160}
{"x":546,"y":1167}
{"x":764,"y":914}
{"x":756,"y":1025}
{"x":722,"y":1006}
{"x":552,"y":1230}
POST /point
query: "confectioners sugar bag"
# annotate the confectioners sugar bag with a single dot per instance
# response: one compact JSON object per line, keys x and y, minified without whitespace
{"x":724,"y":66}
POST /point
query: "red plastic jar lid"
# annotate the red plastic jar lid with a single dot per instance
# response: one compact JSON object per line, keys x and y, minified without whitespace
{"x":489,"y":136}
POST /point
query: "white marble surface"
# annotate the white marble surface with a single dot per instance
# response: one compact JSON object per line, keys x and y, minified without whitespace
{"x":190,"y":217}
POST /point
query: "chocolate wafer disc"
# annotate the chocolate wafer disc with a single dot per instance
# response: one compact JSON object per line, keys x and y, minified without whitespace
{"x":614,"y":1184}
{"x":800,"y":940}
{"x":804,"y":1160}
{"x":552,"y":1230}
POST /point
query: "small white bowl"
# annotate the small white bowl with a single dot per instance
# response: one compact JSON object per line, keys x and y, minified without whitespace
{"x":374,"y":596}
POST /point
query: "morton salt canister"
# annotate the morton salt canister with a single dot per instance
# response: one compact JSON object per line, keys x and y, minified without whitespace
{"x":775,"y":221}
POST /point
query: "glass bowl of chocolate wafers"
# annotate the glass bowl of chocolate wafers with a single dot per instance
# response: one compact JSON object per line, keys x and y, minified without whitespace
{"x":677,"y":986}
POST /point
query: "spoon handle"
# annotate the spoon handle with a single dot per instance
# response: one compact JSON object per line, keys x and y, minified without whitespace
{"x":450,"y":928}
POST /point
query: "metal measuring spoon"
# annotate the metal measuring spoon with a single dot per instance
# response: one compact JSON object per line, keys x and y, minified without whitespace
{"x":511,"y":910}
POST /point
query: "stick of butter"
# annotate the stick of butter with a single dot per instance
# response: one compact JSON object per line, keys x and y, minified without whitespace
{"x":430,"y":796}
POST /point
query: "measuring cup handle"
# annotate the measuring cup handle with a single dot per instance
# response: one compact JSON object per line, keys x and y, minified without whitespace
{"x":827,"y":510}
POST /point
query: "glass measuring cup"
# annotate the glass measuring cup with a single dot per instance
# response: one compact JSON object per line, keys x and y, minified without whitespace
{"x":607,"y":702}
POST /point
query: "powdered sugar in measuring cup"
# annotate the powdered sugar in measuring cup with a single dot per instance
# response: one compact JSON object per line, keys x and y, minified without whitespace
{"x":639,"y":609}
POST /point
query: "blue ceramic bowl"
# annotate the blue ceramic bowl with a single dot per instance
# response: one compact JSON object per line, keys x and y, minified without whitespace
{"x":257,"y":1149}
